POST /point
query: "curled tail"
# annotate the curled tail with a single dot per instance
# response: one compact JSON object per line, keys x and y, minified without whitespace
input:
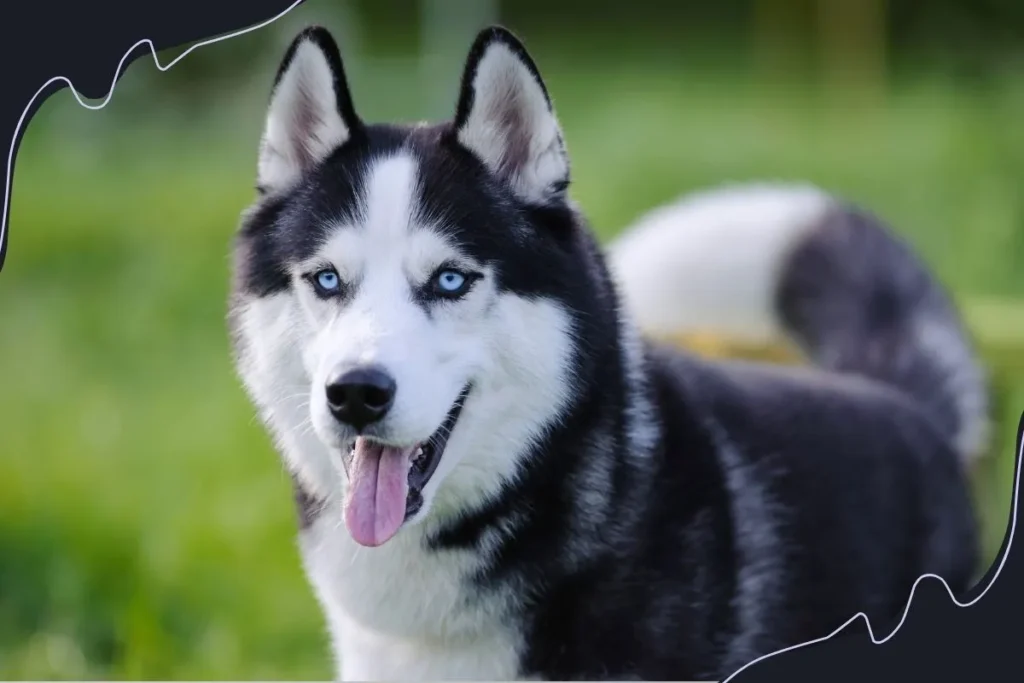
{"x":764,"y":263}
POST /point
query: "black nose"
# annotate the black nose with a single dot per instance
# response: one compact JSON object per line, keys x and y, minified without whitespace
{"x":361,"y":396}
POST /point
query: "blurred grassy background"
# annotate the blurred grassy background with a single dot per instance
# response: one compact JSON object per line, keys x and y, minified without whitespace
{"x":146,"y":528}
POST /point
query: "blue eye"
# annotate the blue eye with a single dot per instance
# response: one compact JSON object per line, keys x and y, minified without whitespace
{"x":450,"y":281}
{"x":327,"y":281}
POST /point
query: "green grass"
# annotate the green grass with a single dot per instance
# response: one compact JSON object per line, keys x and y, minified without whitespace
{"x":146,"y":528}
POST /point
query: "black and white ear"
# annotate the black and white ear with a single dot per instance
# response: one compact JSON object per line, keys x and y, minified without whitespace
{"x":310,"y":113}
{"x":506,"y":118}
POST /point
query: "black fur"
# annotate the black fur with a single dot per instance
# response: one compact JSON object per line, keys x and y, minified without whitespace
{"x":307,"y":506}
{"x":775,"y":505}
{"x":853,"y":294}
{"x":533,"y":247}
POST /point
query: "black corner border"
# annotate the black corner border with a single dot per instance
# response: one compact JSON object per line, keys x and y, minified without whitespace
{"x":88,"y":46}
{"x":939,"y":637}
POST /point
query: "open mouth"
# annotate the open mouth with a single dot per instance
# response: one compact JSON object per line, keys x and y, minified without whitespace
{"x":387,"y":481}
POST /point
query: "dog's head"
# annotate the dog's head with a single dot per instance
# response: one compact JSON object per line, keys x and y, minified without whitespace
{"x":404,"y":308}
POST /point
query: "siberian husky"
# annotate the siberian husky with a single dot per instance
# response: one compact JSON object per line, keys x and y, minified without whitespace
{"x":498,"y":477}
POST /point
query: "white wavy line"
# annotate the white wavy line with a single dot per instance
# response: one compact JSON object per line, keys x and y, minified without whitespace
{"x":906,"y":609}
{"x":110,"y":93}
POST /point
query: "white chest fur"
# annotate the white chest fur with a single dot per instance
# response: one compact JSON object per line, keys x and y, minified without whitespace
{"x":397,"y":612}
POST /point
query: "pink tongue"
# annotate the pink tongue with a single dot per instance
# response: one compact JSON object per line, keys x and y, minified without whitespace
{"x":375,"y":508}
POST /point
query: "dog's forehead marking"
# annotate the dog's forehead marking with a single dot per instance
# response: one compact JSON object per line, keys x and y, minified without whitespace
{"x":390,"y":228}
{"x":390,"y":199}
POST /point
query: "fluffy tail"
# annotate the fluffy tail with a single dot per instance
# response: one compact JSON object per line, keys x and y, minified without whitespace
{"x":766,"y":263}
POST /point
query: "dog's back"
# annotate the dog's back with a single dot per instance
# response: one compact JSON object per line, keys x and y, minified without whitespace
{"x":770,"y":261}
{"x":859,"y":493}
{"x":846,"y":481}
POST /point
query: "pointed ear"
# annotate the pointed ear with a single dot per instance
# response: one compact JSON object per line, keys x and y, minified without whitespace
{"x":506,"y":118}
{"x":310,"y":114}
